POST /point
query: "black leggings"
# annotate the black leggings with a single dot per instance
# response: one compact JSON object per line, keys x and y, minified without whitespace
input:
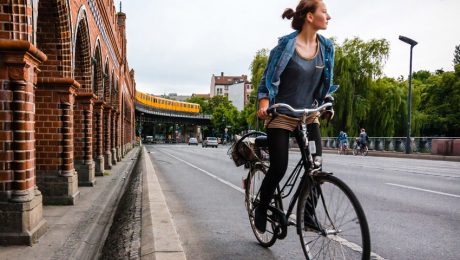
{"x":278,"y":147}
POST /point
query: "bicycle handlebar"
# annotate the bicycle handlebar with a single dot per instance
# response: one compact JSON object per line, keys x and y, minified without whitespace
{"x":306,"y":111}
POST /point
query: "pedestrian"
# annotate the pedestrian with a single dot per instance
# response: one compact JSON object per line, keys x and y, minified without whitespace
{"x":299,"y":73}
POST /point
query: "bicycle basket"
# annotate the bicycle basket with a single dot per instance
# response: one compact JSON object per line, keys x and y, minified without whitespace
{"x":242,"y":151}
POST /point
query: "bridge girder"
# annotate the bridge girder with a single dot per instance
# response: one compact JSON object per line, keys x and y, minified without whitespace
{"x":151,"y":115}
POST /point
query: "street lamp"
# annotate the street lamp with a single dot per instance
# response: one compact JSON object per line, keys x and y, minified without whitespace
{"x":412,"y":43}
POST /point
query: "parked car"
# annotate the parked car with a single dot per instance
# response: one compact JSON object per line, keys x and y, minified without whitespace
{"x":210,"y":141}
{"x":192,"y":141}
{"x":149,"y":139}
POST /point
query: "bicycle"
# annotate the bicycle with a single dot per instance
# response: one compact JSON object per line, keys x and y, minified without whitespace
{"x":343,"y":149}
{"x":360,"y":149}
{"x":329,"y":219}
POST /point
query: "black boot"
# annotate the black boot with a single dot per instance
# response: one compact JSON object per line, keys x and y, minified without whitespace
{"x":260,"y":218}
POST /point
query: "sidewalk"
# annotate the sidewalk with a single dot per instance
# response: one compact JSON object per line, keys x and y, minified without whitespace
{"x":79,"y":231}
{"x":422,"y":156}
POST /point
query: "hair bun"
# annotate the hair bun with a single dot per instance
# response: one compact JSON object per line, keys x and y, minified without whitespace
{"x":288,"y":13}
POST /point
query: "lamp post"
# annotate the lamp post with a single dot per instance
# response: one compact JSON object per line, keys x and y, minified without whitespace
{"x":412,"y":43}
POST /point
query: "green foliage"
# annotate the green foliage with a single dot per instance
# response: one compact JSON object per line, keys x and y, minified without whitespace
{"x":440,"y":104}
{"x":203,"y":103}
{"x":224,"y":114}
{"x":387,"y":98}
{"x":257,"y":67}
{"x":421,"y":75}
{"x":357,"y":64}
{"x":457,"y":55}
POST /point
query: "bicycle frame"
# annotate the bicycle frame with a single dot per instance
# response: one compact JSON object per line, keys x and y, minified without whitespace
{"x":306,"y":160}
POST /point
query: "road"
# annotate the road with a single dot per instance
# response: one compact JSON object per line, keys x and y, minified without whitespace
{"x":412,"y":206}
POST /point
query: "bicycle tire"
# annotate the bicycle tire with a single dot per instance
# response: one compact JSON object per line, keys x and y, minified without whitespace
{"x":339,"y":212}
{"x":252,"y":186}
{"x":365,"y":151}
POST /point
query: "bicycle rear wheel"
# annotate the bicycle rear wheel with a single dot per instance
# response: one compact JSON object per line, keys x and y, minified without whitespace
{"x":342,"y":231}
{"x":253,"y":183}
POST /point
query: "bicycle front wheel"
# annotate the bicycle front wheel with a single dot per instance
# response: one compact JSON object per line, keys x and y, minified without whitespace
{"x":253,"y":183}
{"x":339,"y":230}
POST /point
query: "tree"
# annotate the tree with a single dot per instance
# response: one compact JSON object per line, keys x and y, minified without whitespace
{"x":203,"y":102}
{"x":457,"y":55}
{"x":441,"y":104}
{"x":224,"y":115}
{"x":357,"y":65}
{"x":257,"y":67}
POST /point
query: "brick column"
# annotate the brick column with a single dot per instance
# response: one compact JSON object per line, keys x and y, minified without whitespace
{"x":83,"y":132}
{"x":107,"y":137}
{"x":113,"y":136}
{"x":98,"y":128}
{"x":21,"y":210}
{"x":118,"y":137}
{"x":56,"y":176}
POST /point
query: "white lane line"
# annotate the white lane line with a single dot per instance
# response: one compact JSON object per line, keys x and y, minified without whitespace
{"x":420,"y":189}
{"x":208,"y":173}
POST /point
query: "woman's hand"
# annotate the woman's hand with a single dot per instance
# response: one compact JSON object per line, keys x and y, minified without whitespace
{"x":263,"y":106}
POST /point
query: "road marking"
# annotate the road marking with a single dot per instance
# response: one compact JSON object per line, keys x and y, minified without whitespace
{"x":208,"y":173}
{"x":342,"y":241}
{"x":420,"y":189}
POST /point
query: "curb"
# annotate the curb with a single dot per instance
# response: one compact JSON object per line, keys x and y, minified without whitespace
{"x":159,"y":238}
{"x":403,"y":155}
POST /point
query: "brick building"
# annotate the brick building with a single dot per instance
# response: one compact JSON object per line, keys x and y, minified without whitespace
{"x":66,"y":106}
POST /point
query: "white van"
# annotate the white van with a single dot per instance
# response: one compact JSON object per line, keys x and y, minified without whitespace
{"x":149,"y":139}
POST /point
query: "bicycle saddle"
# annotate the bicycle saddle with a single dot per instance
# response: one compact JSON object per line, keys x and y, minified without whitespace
{"x":261,"y":141}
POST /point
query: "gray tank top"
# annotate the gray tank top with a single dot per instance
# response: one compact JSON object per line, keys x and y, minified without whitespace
{"x":300,"y":82}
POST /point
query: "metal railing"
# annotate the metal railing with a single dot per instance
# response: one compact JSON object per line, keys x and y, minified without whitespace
{"x":397,"y":144}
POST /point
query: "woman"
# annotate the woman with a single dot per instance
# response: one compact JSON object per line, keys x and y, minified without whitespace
{"x":299,"y":73}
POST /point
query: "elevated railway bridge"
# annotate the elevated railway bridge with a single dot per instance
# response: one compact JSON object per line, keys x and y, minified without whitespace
{"x":169,"y":120}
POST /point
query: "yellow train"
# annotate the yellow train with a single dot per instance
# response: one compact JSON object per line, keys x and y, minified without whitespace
{"x":166,"y":104}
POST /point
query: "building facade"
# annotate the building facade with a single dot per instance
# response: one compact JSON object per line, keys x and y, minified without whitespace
{"x":67,"y":107}
{"x":236,"y":88}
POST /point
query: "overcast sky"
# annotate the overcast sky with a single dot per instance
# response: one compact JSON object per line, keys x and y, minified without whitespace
{"x":175,"y":46}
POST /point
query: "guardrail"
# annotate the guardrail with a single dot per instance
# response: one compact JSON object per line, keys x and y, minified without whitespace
{"x":398,"y":144}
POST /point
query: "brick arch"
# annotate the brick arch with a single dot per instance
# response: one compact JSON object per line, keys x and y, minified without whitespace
{"x":83,"y":111}
{"x":82,"y":53}
{"x":53,"y":37}
{"x":97,"y":80}
{"x":107,"y":83}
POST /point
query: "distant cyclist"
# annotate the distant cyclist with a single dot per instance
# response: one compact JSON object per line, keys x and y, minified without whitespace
{"x":343,"y":140}
{"x":363,"y":139}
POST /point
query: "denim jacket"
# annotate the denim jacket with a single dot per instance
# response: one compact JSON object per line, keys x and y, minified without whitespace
{"x":279,"y":58}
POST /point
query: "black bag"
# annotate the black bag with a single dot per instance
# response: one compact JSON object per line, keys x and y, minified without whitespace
{"x":242,"y":152}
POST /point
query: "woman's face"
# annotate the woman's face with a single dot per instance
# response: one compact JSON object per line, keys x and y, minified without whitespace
{"x":319,"y":19}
